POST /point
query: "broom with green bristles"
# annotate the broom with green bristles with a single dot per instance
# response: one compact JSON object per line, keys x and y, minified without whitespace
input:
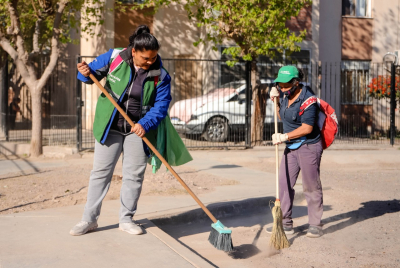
{"x":220,"y":236}
{"x":278,"y":236}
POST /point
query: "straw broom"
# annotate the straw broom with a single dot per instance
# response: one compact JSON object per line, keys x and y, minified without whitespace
{"x":278,"y":236}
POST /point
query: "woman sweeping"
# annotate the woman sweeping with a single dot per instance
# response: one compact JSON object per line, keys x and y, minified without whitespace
{"x":303,"y":148}
{"x":137,"y":81}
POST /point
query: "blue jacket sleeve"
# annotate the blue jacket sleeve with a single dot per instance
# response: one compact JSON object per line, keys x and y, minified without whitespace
{"x":98,"y":67}
{"x":157,"y":113}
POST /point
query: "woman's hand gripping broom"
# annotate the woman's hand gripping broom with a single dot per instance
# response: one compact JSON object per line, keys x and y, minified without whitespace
{"x":278,"y":236}
{"x":220,"y":236}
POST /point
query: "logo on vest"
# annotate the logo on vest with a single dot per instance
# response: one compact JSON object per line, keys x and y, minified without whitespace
{"x":112,"y":78}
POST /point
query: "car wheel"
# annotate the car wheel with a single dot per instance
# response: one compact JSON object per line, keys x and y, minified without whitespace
{"x":216,"y":130}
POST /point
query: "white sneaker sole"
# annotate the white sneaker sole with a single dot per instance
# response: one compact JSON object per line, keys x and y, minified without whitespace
{"x":289,"y":232}
{"x":132,"y":233}
{"x":313,"y":235}
{"x":78,"y":234}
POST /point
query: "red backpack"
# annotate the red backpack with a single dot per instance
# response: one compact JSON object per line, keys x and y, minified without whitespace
{"x":327,"y":120}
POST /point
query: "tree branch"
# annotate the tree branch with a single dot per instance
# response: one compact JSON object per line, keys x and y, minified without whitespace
{"x":15,"y":30}
{"x":21,"y":66}
{"x":36,"y":11}
{"x":36,"y":36}
{"x":55,"y":51}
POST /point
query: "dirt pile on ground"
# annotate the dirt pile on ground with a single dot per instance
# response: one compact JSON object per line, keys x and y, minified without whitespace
{"x":67,"y":186}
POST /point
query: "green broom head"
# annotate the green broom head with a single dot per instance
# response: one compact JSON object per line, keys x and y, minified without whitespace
{"x":221,"y":237}
{"x":278,"y":237}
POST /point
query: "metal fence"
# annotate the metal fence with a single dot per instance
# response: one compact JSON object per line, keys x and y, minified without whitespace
{"x":59,"y":115}
{"x":208,"y":97}
{"x":58,"y":130}
{"x":211,"y":106}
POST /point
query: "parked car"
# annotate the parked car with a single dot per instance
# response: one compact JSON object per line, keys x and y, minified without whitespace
{"x":216,"y":113}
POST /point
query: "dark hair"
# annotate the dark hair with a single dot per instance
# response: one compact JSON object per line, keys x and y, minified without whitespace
{"x":141,"y":39}
{"x":300,"y":78}
{"x":301,"y":74}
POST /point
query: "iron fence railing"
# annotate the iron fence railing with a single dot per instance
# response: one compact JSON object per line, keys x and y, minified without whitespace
{"x":211,"y":104}
{"x":57,"y":130}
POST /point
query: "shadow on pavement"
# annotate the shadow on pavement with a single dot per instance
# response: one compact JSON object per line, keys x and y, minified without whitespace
{"x":245,"y":213}
{"x":213,"y":167}
{"x":2,"y":149}
{"x":246,"y":251}
{"x":44,"y":200}
{"x":21,"y":175}
{"x":108,"y":227}
{"x":369,"y":210}
{"x":225,"y":166}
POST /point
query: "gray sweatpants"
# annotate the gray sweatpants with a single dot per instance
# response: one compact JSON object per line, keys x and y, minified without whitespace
{"x":133,"y":167}
{"x":307,"y":158}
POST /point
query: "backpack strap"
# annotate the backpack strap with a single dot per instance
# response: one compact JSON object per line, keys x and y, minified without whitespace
{"x":307,"y":103}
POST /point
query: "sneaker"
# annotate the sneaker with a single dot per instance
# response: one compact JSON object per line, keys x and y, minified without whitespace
{"x":131,"y":228}
{"x":83,"y":227}
{"x":314,"y":232}
{"x":288,"y":230}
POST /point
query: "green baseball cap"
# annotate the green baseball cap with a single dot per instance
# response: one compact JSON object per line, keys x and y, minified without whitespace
{"x":287,"y":73}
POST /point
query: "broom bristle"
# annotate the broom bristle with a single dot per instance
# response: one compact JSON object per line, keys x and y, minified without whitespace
{"x":278,"y":236}
{"x":220,"y":237}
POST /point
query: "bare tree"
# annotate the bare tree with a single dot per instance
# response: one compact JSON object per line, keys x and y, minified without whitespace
{"x":30,"y":28}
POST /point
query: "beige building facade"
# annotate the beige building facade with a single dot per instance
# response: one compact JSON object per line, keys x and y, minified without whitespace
{"x":345,"y":39}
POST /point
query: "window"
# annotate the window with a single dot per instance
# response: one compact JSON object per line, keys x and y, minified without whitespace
{"x":267,"y":67}
{"x":356,"y":8}
{"x":355,"y":77}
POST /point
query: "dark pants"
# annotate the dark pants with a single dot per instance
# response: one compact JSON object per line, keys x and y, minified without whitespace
{"x":307,"y":158}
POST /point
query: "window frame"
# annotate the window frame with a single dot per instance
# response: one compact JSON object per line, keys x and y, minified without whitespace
{"x":358,"y":73}
{"x":368,"y":9}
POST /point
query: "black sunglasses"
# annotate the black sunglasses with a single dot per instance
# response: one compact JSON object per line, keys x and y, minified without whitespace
{"x":293,"y":82}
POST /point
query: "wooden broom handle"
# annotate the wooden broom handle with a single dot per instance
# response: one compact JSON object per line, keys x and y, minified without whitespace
{"x":153,"y":149}
{"x":276,"y":149}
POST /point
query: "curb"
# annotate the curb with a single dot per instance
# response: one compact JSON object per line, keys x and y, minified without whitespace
{"x":183,"y":251}
{"x":220,"y":210}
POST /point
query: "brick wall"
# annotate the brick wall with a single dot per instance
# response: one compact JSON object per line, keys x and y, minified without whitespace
{"x":127,"y":22}
{"x":301,"y":22}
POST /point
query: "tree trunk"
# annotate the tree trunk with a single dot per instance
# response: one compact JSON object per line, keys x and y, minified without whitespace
{"x":259,"y":107}
{"x":36,"y":140}
{"x":26,"y":69}
{"x":3,"y":98}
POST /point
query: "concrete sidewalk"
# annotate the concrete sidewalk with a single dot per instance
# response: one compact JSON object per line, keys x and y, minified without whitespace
{"x":41,"y":238}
